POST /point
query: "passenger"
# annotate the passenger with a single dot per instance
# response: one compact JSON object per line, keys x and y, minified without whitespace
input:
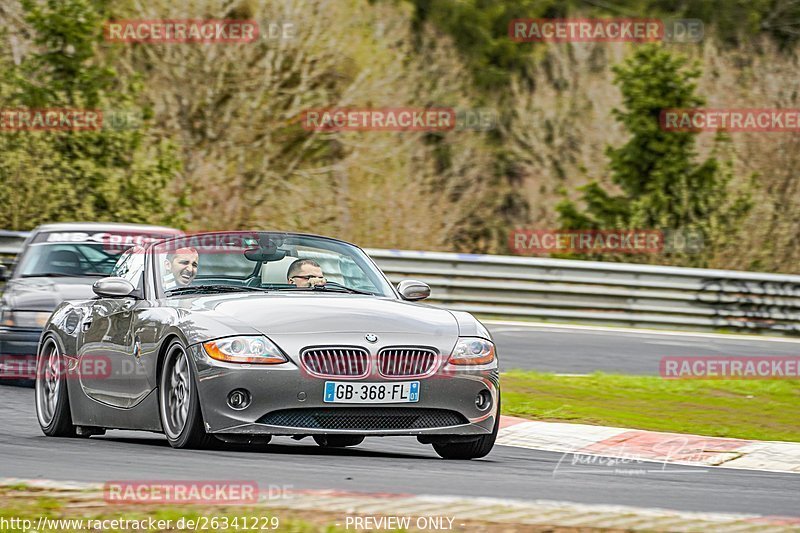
{"x":305,"y":273}
{"x":181,"y":268}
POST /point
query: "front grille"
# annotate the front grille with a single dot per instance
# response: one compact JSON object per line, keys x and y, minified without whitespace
{"x":336,"y":361}
{"x":364,"y":419}
{"x":406,"y":361}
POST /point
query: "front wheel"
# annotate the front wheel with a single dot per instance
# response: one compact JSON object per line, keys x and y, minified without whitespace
{"x":52,"y":400}
{"x":179,"y":401}
{"x":473,"y":449}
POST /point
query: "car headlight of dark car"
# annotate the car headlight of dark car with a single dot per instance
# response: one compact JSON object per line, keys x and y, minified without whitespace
{"x":253,"y":349}
{"x":23,"y":319}
{"x":472,"y":351}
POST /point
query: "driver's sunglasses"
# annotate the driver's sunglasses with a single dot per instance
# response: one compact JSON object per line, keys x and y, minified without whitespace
{"x":307,"y":277}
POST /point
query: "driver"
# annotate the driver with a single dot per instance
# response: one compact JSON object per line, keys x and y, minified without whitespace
{"x":181,"y":267}
{"x":305,"y":273}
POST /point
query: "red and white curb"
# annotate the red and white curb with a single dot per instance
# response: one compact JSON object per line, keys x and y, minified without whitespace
{"x":457,"y":513}
{"x":636,"y":445}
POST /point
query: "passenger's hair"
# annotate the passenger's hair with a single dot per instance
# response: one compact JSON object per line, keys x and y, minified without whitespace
{"x":171,"y":255}
{"x":295,"y":267}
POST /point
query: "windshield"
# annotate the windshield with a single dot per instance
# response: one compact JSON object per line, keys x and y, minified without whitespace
{"x":80,"y":253}
{"x":247,"y":261}
{"x":68,"y":259}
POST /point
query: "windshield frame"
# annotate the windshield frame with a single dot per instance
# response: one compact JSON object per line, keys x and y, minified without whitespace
{"x":158,"y":291}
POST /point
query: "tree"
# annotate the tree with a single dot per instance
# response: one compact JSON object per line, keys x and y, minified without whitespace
{"x":113,"y":173}
{"x":662,"y":187}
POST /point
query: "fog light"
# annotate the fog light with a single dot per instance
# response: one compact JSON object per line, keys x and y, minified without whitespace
{"x":238,"y":399}
{"x":483,"y":400}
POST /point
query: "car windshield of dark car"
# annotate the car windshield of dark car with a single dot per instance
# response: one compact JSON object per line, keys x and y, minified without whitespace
{"x":67,"y":259}
{"x":206,"y":262}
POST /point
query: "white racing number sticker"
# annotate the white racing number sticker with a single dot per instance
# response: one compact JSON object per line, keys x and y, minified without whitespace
{"x":102,"y":238}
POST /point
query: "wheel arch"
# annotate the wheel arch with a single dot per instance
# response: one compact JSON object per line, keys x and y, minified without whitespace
{"x":47,"y":335}
{"x":166,"y":342}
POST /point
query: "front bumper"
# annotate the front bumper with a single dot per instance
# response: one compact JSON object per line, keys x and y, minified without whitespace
{"x":18,"y":347}
{"x":287,"y":395}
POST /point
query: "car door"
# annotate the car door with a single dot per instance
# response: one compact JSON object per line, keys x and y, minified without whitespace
{"x":108,"y":363}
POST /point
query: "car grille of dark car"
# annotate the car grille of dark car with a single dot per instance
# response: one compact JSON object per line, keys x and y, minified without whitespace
{"x":364,"y":419}
{"x":406,"y":362}
{"x":341,"y":361}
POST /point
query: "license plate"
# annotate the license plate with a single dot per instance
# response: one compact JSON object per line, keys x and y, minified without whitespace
{"x":349,"y":392}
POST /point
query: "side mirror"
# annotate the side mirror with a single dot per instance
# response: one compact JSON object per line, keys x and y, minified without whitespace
{"x":113,"y":287}
{"x":411,"y":289}
{"x":3,"y":273}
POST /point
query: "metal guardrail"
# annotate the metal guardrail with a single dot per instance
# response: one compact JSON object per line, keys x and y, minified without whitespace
{"x":11,"y":241}
{"x":588,"y":291}
{"x":10,"y":245}
{"x":600,"y":292}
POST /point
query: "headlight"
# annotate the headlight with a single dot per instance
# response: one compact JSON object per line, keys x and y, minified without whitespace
{"x":24,"y":319}
{"x":472,"y":351}
{"x":257,"y":349}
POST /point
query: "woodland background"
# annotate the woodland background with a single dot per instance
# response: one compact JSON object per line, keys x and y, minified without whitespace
{"x":207,"y":136}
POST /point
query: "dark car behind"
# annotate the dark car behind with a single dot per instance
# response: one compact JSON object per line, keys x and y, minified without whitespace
{"x":57,"y":262}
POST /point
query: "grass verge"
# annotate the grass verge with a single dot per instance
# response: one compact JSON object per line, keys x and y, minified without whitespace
{"x":745,"y":409}
{"x":64,"y":513}
{"x":20,"y":502}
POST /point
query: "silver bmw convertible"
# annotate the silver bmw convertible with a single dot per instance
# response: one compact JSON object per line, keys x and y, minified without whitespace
{"x":240,"y":336}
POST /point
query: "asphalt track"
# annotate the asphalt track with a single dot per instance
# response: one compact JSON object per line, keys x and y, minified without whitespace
{"x":401,"y":465}
{"x":576,"y":350}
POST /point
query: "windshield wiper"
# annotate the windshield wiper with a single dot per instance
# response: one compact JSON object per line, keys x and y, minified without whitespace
{"x":213,"y":288}
{"x":332,"y":286}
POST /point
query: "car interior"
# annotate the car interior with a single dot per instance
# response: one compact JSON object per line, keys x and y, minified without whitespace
{"x":229,"y":269}
{"x":64,"y":262}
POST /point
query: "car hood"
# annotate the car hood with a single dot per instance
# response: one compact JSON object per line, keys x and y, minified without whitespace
{"x":329,"y":313}
{"x":295,"y":321}
{"x":44,"y":294}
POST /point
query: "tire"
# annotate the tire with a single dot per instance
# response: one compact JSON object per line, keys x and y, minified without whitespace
{"x":52,"y":398}
{"x":473,"y":449}
{"x":179,"y":401}
{"x":338,"y":441}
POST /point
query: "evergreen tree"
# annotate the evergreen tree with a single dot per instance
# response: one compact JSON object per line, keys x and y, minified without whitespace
{"x":662,"y":187}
